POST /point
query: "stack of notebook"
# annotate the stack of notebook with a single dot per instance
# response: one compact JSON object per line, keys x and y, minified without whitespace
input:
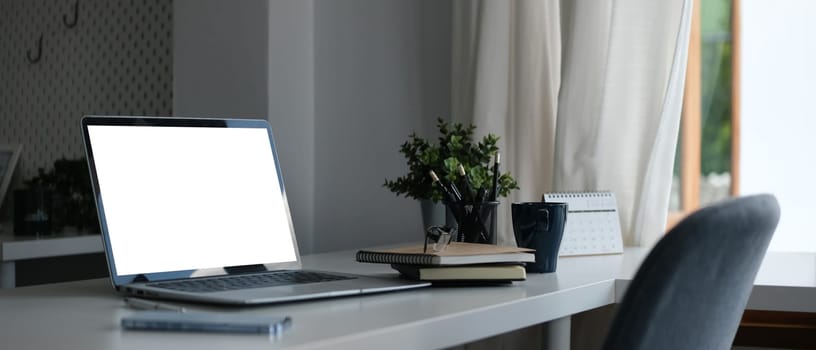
{"x":458,"y":263}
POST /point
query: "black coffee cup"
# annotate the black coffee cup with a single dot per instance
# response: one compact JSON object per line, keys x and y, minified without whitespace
{"x":540,"y":226}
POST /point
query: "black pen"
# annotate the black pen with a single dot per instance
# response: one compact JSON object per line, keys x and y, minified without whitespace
{"x":481,"y":196}
{"x":471,"y":195}
{"x":483,"y":231}
{"x":494,"y":193}
{"x":448,"y":196}
{"x":456,"y":194}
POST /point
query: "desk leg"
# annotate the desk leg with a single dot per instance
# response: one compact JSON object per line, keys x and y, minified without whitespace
{"x":7,"y":274}
{"x":557,"y":334}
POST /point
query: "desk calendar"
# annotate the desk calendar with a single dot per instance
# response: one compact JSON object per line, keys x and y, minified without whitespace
{"x":593,"y":225}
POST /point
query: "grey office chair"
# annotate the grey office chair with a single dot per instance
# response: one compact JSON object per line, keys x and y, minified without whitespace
{"x":692,"y":289}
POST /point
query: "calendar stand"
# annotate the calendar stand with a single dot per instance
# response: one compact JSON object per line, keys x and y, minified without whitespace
{"x":593,"y":225}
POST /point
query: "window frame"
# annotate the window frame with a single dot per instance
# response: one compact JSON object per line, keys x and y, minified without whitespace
{"x":691,"y":120}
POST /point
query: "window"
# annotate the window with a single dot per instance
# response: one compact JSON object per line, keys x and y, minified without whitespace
{"x":707,"y":156}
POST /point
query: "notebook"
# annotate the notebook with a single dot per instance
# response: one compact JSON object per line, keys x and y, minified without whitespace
{"x":593,"y":225}
{"x":457,"y":253}
{"x":195,"y":209}
{"x":464,"y":273}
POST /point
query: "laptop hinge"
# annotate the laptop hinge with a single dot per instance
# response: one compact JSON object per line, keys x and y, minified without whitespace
{"x":140,"y":278}
{"x":233,"y":270}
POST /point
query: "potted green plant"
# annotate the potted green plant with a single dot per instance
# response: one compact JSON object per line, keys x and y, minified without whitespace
{"x":454,"y":147}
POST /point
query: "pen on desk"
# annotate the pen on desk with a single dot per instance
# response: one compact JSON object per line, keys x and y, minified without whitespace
{"x":495,"y":189}
{"x":141,"y":304}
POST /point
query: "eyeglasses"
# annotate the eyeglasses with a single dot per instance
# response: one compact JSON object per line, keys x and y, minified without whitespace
{"x":440,"y":236}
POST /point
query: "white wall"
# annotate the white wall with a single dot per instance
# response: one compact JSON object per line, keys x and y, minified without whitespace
{"x":777,"y":143}
{"x":343,"y":83}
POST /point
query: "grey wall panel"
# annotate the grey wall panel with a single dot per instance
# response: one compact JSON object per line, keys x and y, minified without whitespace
{"x":117,"y":60}
{"x":220,"y":58}
{"x":375,"y":82}
{"x":291,"y":107}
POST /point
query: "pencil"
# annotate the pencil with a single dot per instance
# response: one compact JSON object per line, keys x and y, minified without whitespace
{"x":494,"y":192}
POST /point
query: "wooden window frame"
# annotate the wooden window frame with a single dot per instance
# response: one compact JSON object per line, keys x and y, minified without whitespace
{"x":691,"y":121}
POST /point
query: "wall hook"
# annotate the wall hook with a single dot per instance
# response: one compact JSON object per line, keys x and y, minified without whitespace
{"x":72,"y":23}
{"x":32,"y":58}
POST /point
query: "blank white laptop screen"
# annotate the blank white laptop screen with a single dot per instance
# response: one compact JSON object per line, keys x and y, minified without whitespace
{"x":190,"y":197}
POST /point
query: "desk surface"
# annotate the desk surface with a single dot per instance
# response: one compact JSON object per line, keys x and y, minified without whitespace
{"x":86,"y":314}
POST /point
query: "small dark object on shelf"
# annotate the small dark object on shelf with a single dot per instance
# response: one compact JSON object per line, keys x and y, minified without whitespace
{"x":32,"y":211}
{"x":55,"y":199}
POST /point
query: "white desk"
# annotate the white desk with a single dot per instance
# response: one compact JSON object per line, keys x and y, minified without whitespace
{"x":86,"y":315}
{"x":14,"y":248}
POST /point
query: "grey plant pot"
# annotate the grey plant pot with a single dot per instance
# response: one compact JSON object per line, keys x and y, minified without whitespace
{"x":433,"y":214}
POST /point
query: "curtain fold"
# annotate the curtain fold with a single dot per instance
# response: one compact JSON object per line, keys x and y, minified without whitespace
{"x":586,"y":95}
{"x":505,"y":81}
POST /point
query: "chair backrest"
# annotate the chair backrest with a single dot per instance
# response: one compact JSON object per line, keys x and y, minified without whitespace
{"x":692,"y":288}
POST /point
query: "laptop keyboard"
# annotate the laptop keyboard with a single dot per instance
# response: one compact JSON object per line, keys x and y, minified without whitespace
{"x":226,"y":283}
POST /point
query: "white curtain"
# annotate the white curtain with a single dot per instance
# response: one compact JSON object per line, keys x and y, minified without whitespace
{"x":585,"y":94}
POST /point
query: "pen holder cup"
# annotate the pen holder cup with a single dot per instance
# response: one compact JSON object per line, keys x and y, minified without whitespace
{"x":540,"y":226}
{"x":476,"y":222}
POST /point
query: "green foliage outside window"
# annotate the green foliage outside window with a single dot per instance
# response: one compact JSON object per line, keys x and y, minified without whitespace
{"x":716,"y":86}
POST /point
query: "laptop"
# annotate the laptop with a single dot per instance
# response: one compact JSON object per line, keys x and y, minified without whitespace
{"x":195,"y":209}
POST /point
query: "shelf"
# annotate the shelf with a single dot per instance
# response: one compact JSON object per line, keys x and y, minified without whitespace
{"x":14,"y":248}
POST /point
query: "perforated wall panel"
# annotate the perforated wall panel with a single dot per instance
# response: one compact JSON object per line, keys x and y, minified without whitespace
{"x":116,"y":60}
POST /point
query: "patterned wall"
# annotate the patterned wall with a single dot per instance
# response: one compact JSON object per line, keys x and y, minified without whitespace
{"x":116,"y":60}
